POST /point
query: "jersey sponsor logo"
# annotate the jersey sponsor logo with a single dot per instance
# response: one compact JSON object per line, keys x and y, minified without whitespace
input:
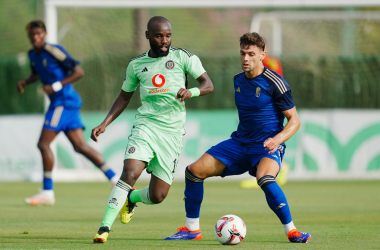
{"x":238,"y":89}
{"x":44,"y":62}
{"x":158,"y":80}
{"x":145,"y":70}
{"x":158,"y":91}
{"x":169,"y":64}
{"x":258,"y":91}
{"x":131,"y":150}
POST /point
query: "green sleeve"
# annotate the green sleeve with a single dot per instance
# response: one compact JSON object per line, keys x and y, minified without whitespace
{"x":193,"y":66}
{"x":131,"y":82}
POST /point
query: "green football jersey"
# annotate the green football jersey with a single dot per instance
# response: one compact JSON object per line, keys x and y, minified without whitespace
{"x":160,"y":80}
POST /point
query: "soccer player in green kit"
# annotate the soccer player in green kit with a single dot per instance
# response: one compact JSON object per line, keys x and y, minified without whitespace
{"x":157,"y":134}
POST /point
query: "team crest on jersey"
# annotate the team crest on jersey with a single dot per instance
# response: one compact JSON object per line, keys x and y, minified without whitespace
{"x":158,"y":80}
{"x":44,"y":62}
{"x":131,"y":150}
{"x":258,"y":91}
{"x":169,"y":64}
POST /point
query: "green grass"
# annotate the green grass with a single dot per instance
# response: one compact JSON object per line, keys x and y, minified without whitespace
{"x":339,"y":215}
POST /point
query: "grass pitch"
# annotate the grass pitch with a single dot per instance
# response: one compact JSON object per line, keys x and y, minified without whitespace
{"x":339,"y":215}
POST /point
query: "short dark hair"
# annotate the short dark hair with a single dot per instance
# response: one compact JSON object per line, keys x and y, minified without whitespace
{"x":158,"y":19}
{"x":252,"y":39}
{"x":35,"y":24}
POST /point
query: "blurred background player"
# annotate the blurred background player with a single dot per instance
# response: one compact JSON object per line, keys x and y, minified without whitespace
{"x":275,"y":65}
{"x":263,"y":99}
{"x":157,"y":134}
{"x":57,"y":70}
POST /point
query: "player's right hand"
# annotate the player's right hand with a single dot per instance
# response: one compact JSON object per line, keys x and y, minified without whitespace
{"x":20,"y":86}
{"x":183,"y":94}
{"x":97,"y":131}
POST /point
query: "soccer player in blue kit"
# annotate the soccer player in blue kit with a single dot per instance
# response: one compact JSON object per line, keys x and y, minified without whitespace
{"x":57,"y":70}
{"x":263,"y":99}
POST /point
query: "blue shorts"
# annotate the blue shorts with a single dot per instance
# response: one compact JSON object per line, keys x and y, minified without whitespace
{"x":240,"y":158}
{"x":62,"y":119}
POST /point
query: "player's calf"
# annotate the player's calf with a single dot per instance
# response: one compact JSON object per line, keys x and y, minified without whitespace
{"x":128,"y":209}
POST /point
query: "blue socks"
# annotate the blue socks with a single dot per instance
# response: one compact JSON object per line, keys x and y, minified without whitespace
{"x":275,"y":198}
{"x":47,"y":181}
{"x":107,"y":170}
{"x":193,"y":194}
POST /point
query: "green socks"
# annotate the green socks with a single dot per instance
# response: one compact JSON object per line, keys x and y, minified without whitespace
{"x":115,"y":202}
{"x":135,"y":196}
{"x":141,"y":196}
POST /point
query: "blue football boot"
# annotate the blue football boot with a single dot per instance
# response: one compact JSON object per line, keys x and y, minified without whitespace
{"x":185,"y":234}
{"x":298,"y":237}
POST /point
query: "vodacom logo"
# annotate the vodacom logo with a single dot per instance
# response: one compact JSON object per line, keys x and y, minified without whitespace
{"x":158,"y":80}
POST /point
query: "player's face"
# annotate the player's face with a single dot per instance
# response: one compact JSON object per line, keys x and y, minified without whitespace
{"x":251,"y":57}
{"x":37,"y":37}
{"x":160,"y":39}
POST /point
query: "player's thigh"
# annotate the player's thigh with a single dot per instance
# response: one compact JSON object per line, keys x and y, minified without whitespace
{"x":71,"y":120}
{"x":54,"y":119}
{"x":132,"y":170}
{"x":167,"y":148}
{"x":138,"y":147}
{"x":226,"y":158}
{"x":267,"y":166}
{"x":158,"y":189}
{"x":207,"y":166}
{"x":46,"y":137}
{"x":76,"y":137}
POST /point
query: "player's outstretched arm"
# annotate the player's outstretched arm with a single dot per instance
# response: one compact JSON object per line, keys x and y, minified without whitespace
{"x":76,"y":74}
{"x":289,"y":130}
{"x":205,"y":87}
{"x":118,"y":106}
{"x":33,"y":77}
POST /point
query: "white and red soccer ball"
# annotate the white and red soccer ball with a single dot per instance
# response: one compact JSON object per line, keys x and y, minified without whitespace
{"x":230,"y":230}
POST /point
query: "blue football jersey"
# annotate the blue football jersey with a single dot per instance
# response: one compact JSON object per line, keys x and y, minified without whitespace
{"x":259,"y":101}
{"x":54,"y":64}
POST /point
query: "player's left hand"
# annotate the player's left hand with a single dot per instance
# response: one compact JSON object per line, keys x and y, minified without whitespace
{"x":271,"y":145}
{"x":48,"y":89}
{"x":183,"y":94}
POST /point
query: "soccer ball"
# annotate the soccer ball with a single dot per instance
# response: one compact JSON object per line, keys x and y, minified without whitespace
{"x":230,"y":230}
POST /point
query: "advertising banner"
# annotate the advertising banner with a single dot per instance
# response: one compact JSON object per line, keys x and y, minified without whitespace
{"x":331,"y":144}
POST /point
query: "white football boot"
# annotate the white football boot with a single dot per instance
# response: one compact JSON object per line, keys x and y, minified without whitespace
{"x":41,"y":199}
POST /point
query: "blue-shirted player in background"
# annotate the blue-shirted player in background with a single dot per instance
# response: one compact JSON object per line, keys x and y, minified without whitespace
{"x":263,"y":99}
{"x":57,"y":70}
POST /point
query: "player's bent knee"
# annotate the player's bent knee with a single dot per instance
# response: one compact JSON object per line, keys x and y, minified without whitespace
{"x":197,"y":170}
{"x":81,"y":149}
{"x":265,"y":180}
{"x":190,"y":176}
{"x":42,"y":146}
{"x":129,"y":177}
{"x":157,"y":198}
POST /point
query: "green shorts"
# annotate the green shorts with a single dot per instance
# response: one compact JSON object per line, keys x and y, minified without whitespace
{"x":159,"y":149}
